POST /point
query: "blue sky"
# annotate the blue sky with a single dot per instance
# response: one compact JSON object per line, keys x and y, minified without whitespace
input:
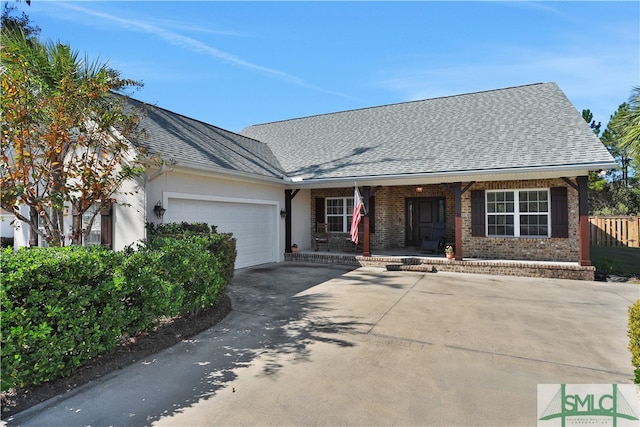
{"x":233,"y":64}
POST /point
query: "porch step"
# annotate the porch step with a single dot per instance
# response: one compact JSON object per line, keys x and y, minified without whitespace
{"x":550,"y":270}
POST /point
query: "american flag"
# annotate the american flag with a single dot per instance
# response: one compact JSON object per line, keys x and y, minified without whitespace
{"x":358,"y":208}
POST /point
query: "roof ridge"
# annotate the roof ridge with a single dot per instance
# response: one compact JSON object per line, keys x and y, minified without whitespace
{"x":396,"y":103}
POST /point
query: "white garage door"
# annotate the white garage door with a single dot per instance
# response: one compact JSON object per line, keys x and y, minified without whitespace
{"x":253,"y":225}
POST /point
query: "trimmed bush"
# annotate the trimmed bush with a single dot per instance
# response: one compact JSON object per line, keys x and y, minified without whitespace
{"x":221,"y":257}
{"x":58,"y":311}
{"x":64,"y":306}
{"x":180,"y":229}
{"x":634,"y":338}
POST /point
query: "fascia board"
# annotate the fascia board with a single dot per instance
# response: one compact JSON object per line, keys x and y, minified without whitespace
{"x":508,"y":174}
{"x":217,"y":172}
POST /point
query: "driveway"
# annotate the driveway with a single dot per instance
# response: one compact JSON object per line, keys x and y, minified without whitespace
{"x":323,"y":345}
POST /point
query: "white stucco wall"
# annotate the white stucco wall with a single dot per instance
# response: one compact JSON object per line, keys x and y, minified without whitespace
{"x":129,"y":214}
{"x":6,"y":229}
{"x":182,"y":183}
{"x":21,"y":233}
{"x":301,"y":219}
{"x":212,"y":185}
{"x":137,"y":199}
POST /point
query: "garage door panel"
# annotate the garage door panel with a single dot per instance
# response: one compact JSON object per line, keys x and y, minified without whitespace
{"x":252,"y":225}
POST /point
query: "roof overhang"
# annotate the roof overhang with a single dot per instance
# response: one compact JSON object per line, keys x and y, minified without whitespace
{"x":220,"y":173}
{"x":498,"y":174}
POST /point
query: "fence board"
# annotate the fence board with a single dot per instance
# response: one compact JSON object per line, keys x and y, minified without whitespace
{"x":615,"y":230}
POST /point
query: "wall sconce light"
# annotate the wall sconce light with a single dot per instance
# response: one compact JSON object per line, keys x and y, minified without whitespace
{"x":419,"y":189}
{"x":283,"y":213}
{"x":159,"y":210}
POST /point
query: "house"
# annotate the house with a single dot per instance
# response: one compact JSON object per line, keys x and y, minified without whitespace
{"x":505,"y":170}
{"x":6,"y":228}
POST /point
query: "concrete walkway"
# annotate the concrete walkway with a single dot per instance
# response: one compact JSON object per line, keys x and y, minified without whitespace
{"x":322,"y":345}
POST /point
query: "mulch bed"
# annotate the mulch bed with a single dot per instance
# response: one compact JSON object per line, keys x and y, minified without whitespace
{"x":136,"y":348}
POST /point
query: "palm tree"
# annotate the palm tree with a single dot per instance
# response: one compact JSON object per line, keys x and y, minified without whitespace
{"x":629,"y":124}
{"x":60,"y":115}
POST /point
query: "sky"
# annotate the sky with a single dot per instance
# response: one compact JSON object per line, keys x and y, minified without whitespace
{"x":234,"y":64}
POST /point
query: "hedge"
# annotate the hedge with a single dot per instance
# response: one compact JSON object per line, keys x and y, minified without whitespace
{"x":634,"y":338}
{"x":63,"y":306}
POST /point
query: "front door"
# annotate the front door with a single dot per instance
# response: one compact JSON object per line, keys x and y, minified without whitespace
{"x":421,"y":213}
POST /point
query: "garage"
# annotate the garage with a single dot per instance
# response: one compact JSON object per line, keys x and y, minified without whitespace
{"x":254,"y":225}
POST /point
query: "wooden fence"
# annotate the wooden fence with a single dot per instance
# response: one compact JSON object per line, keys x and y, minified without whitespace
{"x":615,"y":230}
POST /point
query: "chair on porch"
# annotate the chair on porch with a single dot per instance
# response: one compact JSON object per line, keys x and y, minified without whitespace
{"x":321,"y":237}
{"x":435,"y":243}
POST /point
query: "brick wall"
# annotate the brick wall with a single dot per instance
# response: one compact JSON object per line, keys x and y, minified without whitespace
{"x":535,"y":249}
{"x":503,"y":268}
{"x":338,"y":241}
{"x":390,"y":216}
{"x":431,"y":265}
{"x":390,"y":221}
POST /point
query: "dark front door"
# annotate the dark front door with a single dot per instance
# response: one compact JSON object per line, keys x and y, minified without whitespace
{"x":421,"y":213}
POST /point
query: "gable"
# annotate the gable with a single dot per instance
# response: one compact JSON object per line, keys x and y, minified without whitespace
{"x":521,"y":128}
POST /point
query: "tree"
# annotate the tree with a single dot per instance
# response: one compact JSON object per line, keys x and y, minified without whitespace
{"x":587,"y":115}
{"x":615,"y":194}
{"x":18,"y":23}
{"x":596,"y":180}
{"x":65,"y":132}
{"x":611,"y":138}
{"x":628,"y":125}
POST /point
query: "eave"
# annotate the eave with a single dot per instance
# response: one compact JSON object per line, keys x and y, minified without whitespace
{"x":222,"y":173}
{"x":497,"y":174}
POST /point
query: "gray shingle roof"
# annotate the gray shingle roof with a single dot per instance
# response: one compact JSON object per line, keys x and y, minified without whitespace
{"x":521,"y":127}
{"x":185,"y":140}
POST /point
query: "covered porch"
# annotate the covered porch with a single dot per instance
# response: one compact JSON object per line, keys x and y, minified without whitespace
{"x":399,"y":217}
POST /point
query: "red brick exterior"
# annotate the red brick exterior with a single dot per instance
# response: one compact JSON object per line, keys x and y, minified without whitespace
{"x":390,"y":221}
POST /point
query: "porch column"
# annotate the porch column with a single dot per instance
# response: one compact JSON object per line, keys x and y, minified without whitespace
{"x":366,"y":246}
{"x":457,"y":196}
{"x":287,"y":221}
{"x":583,"y":228}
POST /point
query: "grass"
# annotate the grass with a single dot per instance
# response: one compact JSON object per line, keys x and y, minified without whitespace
{"x":617,"y":259}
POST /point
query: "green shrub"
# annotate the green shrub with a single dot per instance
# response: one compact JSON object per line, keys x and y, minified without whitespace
{"x":187,"y":275}
{"x":607,"y":265}
{"x":63,"y":306}
{"x":222,"y":247}
{"x":175,"y":229}
{"x":58,"y":311}
{"x":185,"y":241}
{"x":634,"y":338}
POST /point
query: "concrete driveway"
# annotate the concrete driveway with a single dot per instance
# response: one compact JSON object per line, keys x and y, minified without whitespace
{"x":322,"y":345}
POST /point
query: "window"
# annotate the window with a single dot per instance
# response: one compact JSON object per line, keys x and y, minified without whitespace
{"x":339,"y":211}
{"x":95,"y":235}
{"x":520,"y":213}
{"x":41,"y":241}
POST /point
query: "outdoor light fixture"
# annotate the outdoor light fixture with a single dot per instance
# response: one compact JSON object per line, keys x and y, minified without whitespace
{"x":283,"y":213}
{"x":418,"y":189}
{"x":159,"y":210}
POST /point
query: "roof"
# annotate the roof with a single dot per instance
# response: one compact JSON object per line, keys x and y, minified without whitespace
{"x":190,"y":142}
{"x":526,"y":127}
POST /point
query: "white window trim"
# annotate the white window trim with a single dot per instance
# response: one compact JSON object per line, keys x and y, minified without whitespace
{"x":96,"y":226}
{"x":346,"y":221}
{"x":516,"y":213}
